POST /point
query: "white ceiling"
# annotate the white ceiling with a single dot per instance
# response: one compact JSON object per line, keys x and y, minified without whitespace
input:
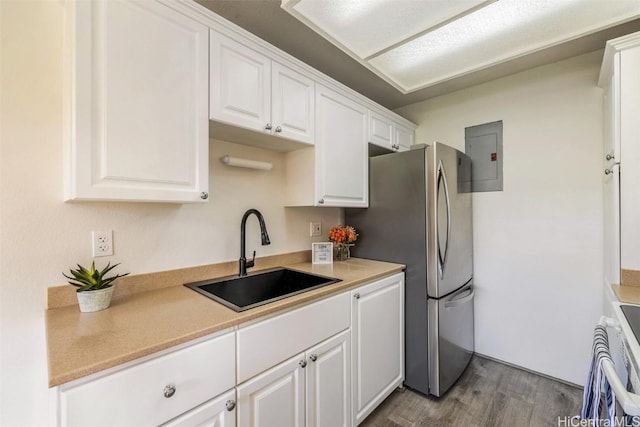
{"x":416,"y":44}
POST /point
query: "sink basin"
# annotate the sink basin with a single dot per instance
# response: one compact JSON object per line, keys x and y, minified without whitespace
{"x":243,"y":293}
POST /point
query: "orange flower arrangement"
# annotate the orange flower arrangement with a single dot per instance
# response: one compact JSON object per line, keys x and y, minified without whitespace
{"x":343,"y":237}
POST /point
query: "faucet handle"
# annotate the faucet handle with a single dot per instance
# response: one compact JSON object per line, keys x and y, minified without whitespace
{"x":252,"y":262}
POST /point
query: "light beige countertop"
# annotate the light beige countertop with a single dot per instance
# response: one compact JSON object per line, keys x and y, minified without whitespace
{"x":160,"y":316}
{"x":627,"y":293}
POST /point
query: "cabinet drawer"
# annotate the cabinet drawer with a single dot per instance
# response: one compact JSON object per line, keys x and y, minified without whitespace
{"x":135,"y":396}
{"x":267,"y":343}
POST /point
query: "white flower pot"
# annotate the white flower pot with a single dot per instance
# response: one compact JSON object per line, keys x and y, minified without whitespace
{"x":90,"y":301}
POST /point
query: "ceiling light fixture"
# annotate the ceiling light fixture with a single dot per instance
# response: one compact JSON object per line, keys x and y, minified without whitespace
{"x":414,"y":44}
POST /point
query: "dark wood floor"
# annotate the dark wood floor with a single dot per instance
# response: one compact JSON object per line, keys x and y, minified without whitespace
{"x":487,"y":394}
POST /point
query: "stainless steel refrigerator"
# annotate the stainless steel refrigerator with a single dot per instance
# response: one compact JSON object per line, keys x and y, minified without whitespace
{"x":420,"y":215}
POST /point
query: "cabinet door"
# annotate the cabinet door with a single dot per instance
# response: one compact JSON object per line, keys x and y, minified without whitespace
{"x":377,"y":343}
{"x":292,"y":104}
{"x":240,"y":84}
{"x":381,"y":131}
{"x":403,"y":137}
{"x":275,"y":397}
{"x":218,"y":412}
{"x":329,"y":383}
{"x":341,"y":155}
{"x":137,"y":103}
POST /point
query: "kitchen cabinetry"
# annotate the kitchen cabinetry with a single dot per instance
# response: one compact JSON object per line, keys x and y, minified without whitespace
{"x":310,"y":389}
{"x":339,"y":161}
{"x":136,"y":103}
{"x":218,"y":412}
{"x":618,"y":78}
{"x":155,"y":390}
{"x":251,"y":91}
{"x":377,"y":328}
{"x":386,"y":133}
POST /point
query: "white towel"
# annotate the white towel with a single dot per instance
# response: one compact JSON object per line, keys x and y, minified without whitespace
{"x":597,"y":381}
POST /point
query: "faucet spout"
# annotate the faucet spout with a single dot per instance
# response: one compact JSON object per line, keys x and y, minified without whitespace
{"x":264,"y":237}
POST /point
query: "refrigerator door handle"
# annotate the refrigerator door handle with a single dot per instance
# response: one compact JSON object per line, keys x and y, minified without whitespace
{"x":442,"y":186}
{"x":459,"y":301}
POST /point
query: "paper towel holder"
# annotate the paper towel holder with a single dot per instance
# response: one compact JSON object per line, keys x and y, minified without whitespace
{"x":246,"y":163}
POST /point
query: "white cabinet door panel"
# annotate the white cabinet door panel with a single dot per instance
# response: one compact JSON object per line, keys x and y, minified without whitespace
{"x":377,"y":329}
{"x":274,"y":398}
{"x":138,"y":127}
{"x":218,"y":412}
{"x":329,"y":383}
{"x":381,"y":130}
{"x":341,"y":150}
{"x":240,"y":84}
{"x":292,"y":104}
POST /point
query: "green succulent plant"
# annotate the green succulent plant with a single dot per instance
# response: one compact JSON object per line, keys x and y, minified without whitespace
{"x":90,"y":279}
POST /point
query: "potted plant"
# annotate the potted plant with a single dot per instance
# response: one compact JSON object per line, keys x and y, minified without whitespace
{"x":94,"y":288}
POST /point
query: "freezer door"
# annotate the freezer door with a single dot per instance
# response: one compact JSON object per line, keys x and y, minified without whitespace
{"x":450,"y":230}
{"x":451,"y":340}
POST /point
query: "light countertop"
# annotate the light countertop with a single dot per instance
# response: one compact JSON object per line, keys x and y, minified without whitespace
{"x":139,"y":324}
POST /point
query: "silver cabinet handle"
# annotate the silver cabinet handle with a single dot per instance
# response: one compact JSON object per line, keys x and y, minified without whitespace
{"x":230,"y":405}
{"x":278,"y":129}
{"x":204,"y":195}
{"x":356,"y":296}
{"x":313,"y":357}
{"x":321,"y":201}
{"x":609,"y":157}
{"x":608,"y":171}
{"x":303,"y":363}
{"x":268,"y":126}
{"x":169,"y":390}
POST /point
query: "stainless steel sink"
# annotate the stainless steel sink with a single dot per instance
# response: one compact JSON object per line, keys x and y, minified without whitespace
{"x":243,"y":293}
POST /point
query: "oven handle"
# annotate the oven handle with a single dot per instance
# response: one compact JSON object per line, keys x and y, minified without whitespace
{"x":629,"y":402}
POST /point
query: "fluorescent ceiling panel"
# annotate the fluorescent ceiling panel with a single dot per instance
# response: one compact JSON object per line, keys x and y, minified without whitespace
{"x":414,"y":44}
{"x":366,"y":27}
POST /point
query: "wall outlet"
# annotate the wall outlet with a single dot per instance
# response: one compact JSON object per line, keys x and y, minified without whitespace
{"x":315,"y":229}
{"x":102,"y":243}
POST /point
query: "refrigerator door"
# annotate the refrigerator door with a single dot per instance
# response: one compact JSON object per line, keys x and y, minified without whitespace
{"x":450,"y":263}
{"x":451,"y":340}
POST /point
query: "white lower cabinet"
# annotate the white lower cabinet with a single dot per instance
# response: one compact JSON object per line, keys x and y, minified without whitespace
{"x":377,"y":328}
{"x":218,"y":412}
{"x":153,"y":391}
{"x":311,"y":389}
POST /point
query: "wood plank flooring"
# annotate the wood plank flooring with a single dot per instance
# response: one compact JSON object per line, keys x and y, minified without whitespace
{"x":488,"y":394}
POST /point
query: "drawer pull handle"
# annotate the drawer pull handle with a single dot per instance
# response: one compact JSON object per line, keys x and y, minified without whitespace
{"x":169,"y":391}
{"x":313,"y":357}
{"x":303,"y":363}
{"x":231,"y":405}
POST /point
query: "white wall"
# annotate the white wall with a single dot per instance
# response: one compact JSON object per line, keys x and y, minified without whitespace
{"x":41,"y":236}
{"x":537,"y":244}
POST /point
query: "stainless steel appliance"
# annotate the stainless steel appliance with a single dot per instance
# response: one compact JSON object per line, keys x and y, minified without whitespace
{"x":420,"y":215}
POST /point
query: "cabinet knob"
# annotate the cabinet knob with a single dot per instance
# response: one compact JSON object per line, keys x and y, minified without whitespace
{"x":321,"y":201}
{"x":230,"y":405}
{"x":169,"y":391}
{"x":608,"y":171}
{"x":313,"y":357}
{"x":356,"y":296}
{"x":609,"y":157}
{"x":303,"y":363}
{"x":204,"y":195}
{"x":278,"y":129}
{"x":268,"y":126}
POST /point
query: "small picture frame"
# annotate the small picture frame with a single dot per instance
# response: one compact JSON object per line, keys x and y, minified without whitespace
{"x":322,"y":253}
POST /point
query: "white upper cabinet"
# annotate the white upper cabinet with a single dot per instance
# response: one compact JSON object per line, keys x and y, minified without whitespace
{"x":341,"y":159}
{"x":385,"y":132}
{"x":250,"y":91}
{"x":136,"y":103}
